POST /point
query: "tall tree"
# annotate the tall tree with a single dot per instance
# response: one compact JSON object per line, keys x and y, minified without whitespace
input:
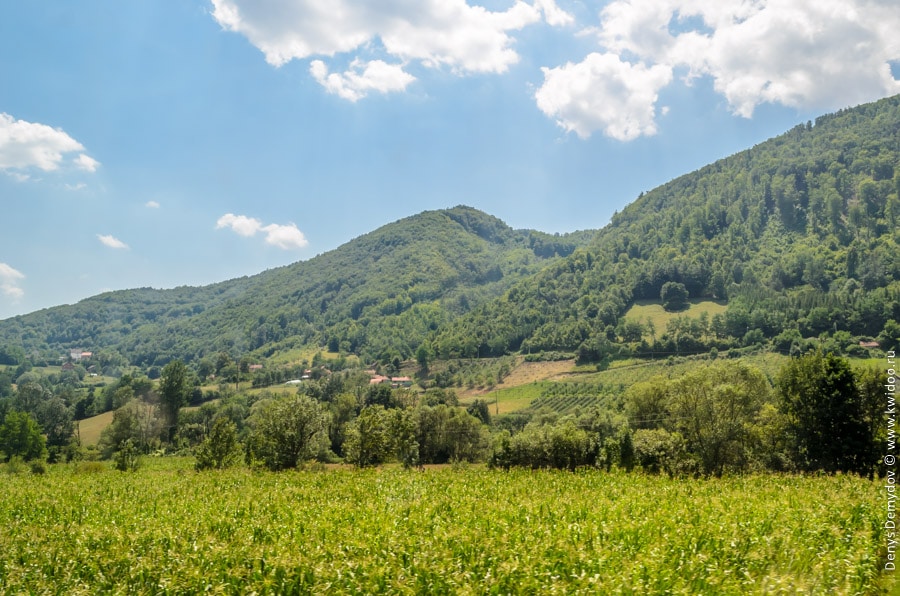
{"x":174,"y":390}
{"x":826,"y":415}
{"x":713,"y":408}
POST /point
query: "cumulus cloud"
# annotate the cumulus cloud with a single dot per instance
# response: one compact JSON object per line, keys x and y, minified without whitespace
{"x":812,"y":54}
{"x":112,"y":242}
{"x":355,"y":84}
{"x":9,"y":281}
{"x":435,"y":33}
{"x":283,"y":236}
{"x":603,"y":93}
{"x":151,"y":205}
{"x":87,"y":163}
{"x":25,"y":145}
{"x":240,"y":224}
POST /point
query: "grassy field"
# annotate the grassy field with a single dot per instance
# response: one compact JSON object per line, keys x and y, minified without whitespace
{"x":168,"y":530}
{"x":651,"y":310}
{"x":89,"y":429}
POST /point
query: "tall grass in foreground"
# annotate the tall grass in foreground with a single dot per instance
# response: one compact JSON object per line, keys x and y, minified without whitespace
{"x":471,"y":531}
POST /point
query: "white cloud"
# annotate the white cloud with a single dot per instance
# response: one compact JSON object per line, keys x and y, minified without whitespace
{"x":355,"y":84}
{"x":151,"y":205}
{"x":87,"y":163}
{"x":240,"y":224}
{"x":436,"y":33}
{"x":283,"y":236}
{"x":9,"y":281}
{"x":603,"y":93}
{"x":808,"y":54}
{"x":26,"y":145}
{"x":112,"y":242}
{"x":553,"y":14}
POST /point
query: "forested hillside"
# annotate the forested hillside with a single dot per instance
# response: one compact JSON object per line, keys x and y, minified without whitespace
{"x":798,"y":234}
{"x":379,"y":295}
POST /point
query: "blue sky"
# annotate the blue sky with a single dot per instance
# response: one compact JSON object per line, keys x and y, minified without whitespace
{"x":184,"y":142}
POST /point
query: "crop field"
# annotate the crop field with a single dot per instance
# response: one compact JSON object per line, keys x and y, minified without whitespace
{"x":86,"y":529}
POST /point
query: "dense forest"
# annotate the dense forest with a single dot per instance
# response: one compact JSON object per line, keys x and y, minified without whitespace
{"x":798,"y":235}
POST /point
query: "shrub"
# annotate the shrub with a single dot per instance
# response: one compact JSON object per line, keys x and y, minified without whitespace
{"x":221,"y":448}
{"x":127,"y":458}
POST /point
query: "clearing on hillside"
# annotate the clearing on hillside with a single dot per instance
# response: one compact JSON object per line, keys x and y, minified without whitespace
{"x":643,"y":311}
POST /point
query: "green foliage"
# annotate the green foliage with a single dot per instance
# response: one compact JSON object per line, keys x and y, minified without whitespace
{"x":826,"y":415}
{"x":286,"y":432}
{"x":127,"y":457}
{"x":136,"y":421}
{"x":563,"y":446}
{"x":380,"y":295}
{"x":370,"y":439}
{"x":712,"y":409}
{"x":20,"y":436}
{"x":772,"y":229}
{"x":174,"y":389}
{"x":221,"y":448}
{"x":440,"y":532}
{"x":445,"y":434}
{"x":674,"y":296}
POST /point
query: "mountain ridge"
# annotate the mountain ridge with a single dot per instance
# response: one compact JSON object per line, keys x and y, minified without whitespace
{"x":798,"y":234}
{"x":456,"y":257}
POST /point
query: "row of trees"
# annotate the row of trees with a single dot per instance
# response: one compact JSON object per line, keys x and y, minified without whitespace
{"x":727,"y":417}
{"x":820,"y":414}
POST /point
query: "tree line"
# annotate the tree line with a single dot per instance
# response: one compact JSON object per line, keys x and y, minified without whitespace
{"x":819,"y":414}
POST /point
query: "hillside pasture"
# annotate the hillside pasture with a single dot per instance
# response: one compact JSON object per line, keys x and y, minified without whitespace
{"x":90,"y":428}
{"x":644,"y":311}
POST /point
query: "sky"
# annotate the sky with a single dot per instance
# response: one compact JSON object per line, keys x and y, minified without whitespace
{"x":184,"y":142}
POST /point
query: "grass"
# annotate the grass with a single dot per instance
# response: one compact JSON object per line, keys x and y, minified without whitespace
{"x":644,"y":310}
{"x":168,"y":530}
{"x":90,"y":428}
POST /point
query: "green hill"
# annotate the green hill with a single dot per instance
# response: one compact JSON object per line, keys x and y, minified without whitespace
{"x":798,"y":235}
{"x":379,"y":295}
{"x":795,"y":240}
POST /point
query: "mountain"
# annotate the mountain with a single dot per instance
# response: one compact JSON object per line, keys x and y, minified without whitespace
{"x":379,"y":295}
{"x":799,"y":235}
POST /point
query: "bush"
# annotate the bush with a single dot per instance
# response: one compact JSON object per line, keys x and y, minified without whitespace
{"x":15,"y":465}
{"x":127,"y":458}
{"x":221,"y":448}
